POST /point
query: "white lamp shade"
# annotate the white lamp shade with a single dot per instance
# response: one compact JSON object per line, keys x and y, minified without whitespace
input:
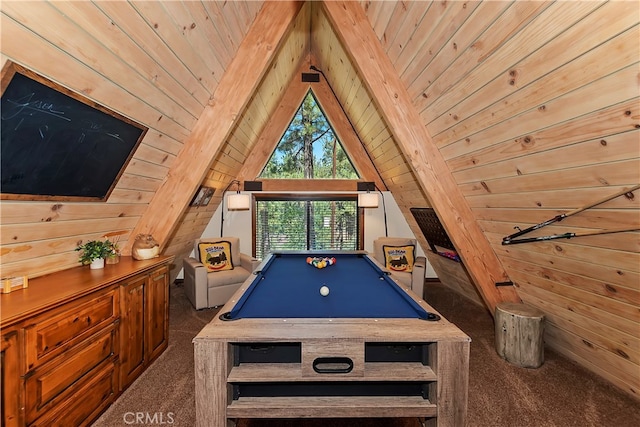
{"x":367,"y":200}
{"x":238,"y":202}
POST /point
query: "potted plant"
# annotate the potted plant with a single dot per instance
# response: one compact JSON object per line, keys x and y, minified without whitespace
{"x":94,"y":252}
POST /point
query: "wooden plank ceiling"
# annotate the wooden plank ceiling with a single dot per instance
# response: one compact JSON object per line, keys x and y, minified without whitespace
{"x":533,"y":108}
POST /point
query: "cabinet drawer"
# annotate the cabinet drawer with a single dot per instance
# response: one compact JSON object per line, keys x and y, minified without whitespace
{"x":88,"y":401}
{"x":52,"y":333}
{"x":53,"y":382}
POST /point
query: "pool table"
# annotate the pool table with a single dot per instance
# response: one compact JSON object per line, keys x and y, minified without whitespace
{"x":368,"y":348}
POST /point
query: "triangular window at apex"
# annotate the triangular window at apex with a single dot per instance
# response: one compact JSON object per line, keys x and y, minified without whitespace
{"x":309,"y":148}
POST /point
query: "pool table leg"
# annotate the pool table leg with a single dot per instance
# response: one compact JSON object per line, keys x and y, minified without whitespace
{"x":451,"y":366}
{"x":211,"y":369}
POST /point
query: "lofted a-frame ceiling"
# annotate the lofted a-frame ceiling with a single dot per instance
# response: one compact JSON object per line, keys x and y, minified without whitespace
{"x":496,"y":113}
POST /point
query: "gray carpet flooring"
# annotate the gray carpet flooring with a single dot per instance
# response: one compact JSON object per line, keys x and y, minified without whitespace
{"x":560,"y":393}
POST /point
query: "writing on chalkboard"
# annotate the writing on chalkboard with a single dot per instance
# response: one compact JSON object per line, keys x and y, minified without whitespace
{"x":57,"y":144}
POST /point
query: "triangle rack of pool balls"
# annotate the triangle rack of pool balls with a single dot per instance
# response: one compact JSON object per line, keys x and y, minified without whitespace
{"x":319,"y":262}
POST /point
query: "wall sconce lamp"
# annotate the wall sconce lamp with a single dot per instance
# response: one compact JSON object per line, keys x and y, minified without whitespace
{"x":236,"y":202}
{"x":367,"y":200}
{"x":370,"y":200}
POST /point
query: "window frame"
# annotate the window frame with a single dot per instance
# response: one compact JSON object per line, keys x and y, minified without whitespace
{"x":260,"y":197}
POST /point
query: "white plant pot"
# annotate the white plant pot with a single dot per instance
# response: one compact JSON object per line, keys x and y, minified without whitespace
{"x":97,"y":264}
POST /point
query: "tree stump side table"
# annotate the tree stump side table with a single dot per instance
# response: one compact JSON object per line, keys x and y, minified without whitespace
{"x":519,"y":331}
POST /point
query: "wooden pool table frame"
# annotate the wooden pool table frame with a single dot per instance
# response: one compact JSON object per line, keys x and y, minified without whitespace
{"x":446,"y":372}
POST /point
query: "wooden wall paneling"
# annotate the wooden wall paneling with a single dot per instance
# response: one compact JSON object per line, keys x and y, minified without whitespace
{"x":162,"y":142}
{"x":597,"y":287}
{"x":417,"y":44}
{"x":133,"y":24}
{"x":151,"y":154}
{"x":622,"y":345}
{"x":407,"y":17}
{"x":563,"y":198}
{"x":45,"y":265}
{"x":224,"y":13}
{"x":596,"y":320}
{"x":453,"y":275}
{"x":467,"y":39}
{"x":376,"y":134}
{"x":28,"y":232}
{"x":586,"y":352}
{"x":613,"y":173}
{"x":601,"y":124}
{"x":227,"y":46}
{"x":59,"y":30}
{"x":625,"y":278}
{"x":594,"y":42}
{"x":62,"y":67}
{"x":145,"y":168}
{"x":620,"y":262}
{"x":15,"y":212}
{"x":128,"y":196}
{"x":136,"y":182}
{"x":529,"y":98}
{"x":368,"y":118}
{"x":530,"y":24}
{"x":396,"y":107}
{"x":621,"y":316}
{"x":217,"y":42}
{"x":192,"y":24}
{"x":443,"y":21}
{"x":382,"y":16}
{"x":575,"y":348}
{"x":599,"y":150}
{"x":496,"y":36}
{"x":214,"y":125}
{"x":161,"y":21}
{"x":106,"y":32}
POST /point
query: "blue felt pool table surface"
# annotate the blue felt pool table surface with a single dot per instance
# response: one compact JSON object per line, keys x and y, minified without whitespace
{"x":286,"y":286}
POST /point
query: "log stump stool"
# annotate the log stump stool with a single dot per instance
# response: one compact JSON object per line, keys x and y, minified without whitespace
{"x":519,"y":332}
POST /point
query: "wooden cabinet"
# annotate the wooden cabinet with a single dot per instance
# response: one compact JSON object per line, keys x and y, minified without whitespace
{"x":10,"y":378}
{"x":144,"y":324}
{"x":132,"y":358}
{"x":157,"y":313}
{"x":73,"y":340}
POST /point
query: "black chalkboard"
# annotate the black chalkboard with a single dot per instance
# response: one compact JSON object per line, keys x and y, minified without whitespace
{"x":57,"y":144}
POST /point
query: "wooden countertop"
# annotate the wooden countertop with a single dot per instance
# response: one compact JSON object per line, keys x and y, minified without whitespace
{"x":54,"y":289}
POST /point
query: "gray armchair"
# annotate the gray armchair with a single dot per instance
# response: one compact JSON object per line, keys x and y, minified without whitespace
{"x":206,"y":288}
{"x":413,"y":279}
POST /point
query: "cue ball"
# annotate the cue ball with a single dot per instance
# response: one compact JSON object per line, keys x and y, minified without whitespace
{"x":324,"y":291}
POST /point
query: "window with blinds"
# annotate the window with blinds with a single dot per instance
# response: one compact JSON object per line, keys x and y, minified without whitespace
{"x":306,"y":224}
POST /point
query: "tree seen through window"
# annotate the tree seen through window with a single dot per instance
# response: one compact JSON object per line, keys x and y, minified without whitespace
{"x":309,"y":148}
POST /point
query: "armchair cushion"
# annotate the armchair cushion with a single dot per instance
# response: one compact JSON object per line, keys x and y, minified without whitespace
{"x":216,"y":256}
{"x":415,"y":278}
{"x":205,"y":288}
{"x":399,"y":258}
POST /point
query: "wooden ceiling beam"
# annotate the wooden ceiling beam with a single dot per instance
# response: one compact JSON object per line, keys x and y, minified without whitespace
{"x":359,"y":40}
{"x":231,"y":96}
